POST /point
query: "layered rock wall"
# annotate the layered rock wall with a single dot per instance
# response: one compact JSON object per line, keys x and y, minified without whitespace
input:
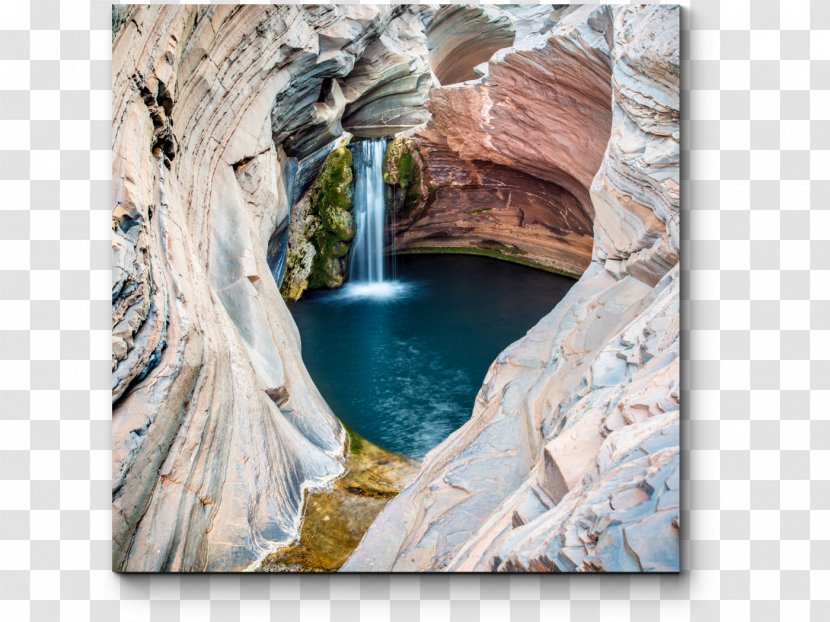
{"x":570,"y":459}
{"x":386,"y":90}
{"x":462,"y":37}
{"x":507,"y":159}
{"x":498,"y":165}
{"x":217,"y":427}
{"x":445,"y":202}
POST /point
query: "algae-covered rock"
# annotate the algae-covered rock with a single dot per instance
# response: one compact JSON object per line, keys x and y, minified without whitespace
{"x":321,"y":228}
{"x":336,"y":248}
{"x":396,"y":148}
{"x":331,"y":202}
{"x":335,"y":520}
{"x":331,"y":189}
{"x":326,"y":273}
{"x":339,"y":223}
{"x":301,"y":252}
{"x":402,"y":172}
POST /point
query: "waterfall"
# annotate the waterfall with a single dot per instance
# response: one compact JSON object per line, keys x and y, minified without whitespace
{"x":366,"y":264}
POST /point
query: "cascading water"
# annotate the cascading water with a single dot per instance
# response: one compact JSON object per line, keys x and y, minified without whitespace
{"x":367,"y":255}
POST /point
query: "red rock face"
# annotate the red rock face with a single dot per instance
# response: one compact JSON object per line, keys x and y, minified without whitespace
{"x":482,"y":205}
{"x":513,"y":156}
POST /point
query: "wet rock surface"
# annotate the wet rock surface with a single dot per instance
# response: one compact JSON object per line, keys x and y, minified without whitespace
{"x":321,"y":228}
{"x":335,"y":520}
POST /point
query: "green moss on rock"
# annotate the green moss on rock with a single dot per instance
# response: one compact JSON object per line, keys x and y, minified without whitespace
{"x":301,"y":252}
{"x":321,"y":228}
{"x":391,"y":160}
{"x":332,"y":187}
{"x":331,"y":202}
{"x":338,"y":223}
{"x":336,"y":248}
{"x":326,"y":272}
{"x":402,"y":173}
{"x":405,"y":166}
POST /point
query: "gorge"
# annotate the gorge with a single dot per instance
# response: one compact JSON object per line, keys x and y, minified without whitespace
{"x":265,"y":154}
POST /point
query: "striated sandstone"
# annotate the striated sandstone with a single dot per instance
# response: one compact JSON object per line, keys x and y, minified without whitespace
{"x":217,"y":427}
{"x":446,"y":202}
{"x":507,"y":160}
{"x":462,"y":37}
{"x":570,"y":459}
{"x":386,"y":90}
{"x":544,"y":107}
{"x":224,"y":116}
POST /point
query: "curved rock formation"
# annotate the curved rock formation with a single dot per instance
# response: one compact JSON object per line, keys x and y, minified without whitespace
{"x":460,"y":205}
{"x":217,"y":427}
{"x":386,"y":90}
{"x":570,"y":460}
{"x":543,"y":107}
{"x":506,"y":161}
{"x":462,"y":37}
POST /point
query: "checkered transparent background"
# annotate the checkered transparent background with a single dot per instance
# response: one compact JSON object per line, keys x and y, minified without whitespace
{"x":756,"y":343}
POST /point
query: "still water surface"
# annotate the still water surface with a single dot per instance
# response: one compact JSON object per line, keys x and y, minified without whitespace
{"x":401,"y":362}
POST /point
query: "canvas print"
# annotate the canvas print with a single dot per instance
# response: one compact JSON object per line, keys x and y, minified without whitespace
{"x":395,"y":288}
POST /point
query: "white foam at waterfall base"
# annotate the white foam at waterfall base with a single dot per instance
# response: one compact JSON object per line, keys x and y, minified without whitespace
{"x":386,"y":291}
{"x":367,"y":275}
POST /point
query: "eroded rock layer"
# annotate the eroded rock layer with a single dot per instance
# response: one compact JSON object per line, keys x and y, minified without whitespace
{"x":570,"y":459}
{"x":445,"y":202}
{"x":225,"y":120}
{"x":506,"y":160}
{"x":462,"y":37}
{"x":386,"y":90}
{"x":217,"y":427}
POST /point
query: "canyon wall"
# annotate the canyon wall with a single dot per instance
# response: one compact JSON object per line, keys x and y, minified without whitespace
{"x":505,"y":163}
{"x":217,"y":428}
{"x":224,"y":117}
{"x":570,"y":461}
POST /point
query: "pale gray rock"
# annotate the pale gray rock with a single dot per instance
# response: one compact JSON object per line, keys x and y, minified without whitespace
{"x":217,"y":428}
{"x":636,"y":192}
{"x":461,"y":37}
{"x":386,"y":90}
{"x":309,"y":102}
